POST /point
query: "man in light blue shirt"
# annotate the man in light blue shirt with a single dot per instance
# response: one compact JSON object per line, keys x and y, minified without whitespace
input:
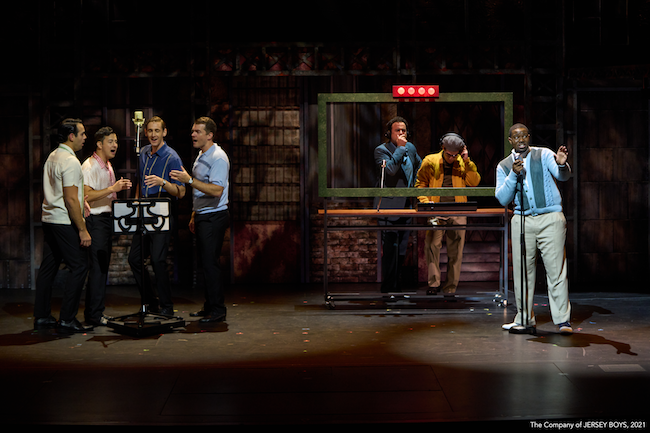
{"x":535,"y":170}
{"x":210,"y":216}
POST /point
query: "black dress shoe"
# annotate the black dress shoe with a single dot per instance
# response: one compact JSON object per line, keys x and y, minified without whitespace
{"x":167,"y":311}
{"x":213,"y":318}
{"x":200,"y":313}
{"x":45,"y":323}
{"x":520,"y":329}
{"x":153,"y":307}
{"x":73,"y":326}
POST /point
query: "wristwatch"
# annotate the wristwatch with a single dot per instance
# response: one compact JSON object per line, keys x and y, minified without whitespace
{"x":191,"y":180}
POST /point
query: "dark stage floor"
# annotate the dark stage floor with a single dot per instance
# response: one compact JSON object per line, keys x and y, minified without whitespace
{"x":282,"y":357}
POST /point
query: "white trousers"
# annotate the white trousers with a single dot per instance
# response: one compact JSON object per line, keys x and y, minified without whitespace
{"x":546,"y":233}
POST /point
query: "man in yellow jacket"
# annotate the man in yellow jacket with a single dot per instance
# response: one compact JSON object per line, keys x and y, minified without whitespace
{"x":451,"y":167}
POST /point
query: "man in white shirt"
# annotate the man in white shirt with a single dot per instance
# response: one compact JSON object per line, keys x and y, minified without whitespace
{"x":65,"y":236}
{"x":101,"y":189}
{"x":210,"y":217}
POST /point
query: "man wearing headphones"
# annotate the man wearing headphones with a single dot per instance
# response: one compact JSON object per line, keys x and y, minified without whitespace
{"x":397,"y":162}
{"x":451,"y":167}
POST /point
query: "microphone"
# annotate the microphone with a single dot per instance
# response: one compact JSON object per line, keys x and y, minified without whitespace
{"x":381,"y":182}
{"x":520,"y":175}
{"x":138,"y":120}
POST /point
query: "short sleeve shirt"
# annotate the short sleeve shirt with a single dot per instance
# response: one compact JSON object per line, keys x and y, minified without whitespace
{"x":212,"y":166}
{"x":160,"y":164}
{"x":99,"y":175}
{"x":62,"y":169}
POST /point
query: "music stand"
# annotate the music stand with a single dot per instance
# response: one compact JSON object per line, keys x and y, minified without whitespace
{"x":144,"y":216}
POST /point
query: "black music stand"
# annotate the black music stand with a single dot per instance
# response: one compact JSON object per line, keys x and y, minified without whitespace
{"x":144,"y":216}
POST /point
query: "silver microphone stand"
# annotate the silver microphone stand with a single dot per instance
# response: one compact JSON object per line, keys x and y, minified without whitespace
{"x":527,"y":328}
{"x":381,"y":182}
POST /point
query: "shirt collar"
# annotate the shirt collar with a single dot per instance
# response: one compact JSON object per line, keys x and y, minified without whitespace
{"x":523,"y":155}
{"x":209,"y":151}
{"x":162,"y":150}
{"x":101,"y":162}
{"x":67,"y":148}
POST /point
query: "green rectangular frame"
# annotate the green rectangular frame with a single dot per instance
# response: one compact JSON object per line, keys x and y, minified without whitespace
{"x":325,"y":98}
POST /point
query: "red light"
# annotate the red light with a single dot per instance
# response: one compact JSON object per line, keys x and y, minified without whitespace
{"x":416,"y":91}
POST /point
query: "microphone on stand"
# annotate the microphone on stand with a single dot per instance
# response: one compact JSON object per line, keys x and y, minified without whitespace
{"x":138,"y":120}
{"x":521,"y":173}
{"x":381,"y":182}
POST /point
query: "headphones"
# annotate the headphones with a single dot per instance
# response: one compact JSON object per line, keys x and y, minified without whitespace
{"x":452,"y":134}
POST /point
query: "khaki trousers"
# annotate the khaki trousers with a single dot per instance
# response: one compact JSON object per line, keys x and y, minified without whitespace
{"x":455,"y":245}
{"x":546,"y":233}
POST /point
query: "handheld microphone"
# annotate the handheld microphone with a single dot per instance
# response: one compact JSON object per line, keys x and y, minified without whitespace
{"x":520,"y":175}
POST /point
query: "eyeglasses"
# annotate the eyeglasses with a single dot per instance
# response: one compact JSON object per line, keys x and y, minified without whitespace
{"x":450,"y":155}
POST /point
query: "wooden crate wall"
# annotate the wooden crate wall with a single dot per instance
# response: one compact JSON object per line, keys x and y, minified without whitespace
{"x":612,"y":175}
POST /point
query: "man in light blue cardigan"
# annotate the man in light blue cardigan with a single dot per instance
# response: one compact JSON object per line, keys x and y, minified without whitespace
{"x":544,"y":225}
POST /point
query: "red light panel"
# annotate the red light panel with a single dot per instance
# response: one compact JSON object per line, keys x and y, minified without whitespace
{"x":416,"y":91}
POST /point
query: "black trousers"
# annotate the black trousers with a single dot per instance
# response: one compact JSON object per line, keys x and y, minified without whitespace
{"x":210,"y":231}
{"x":100,"y":228}
{"x":394,"y":246}
{"x":61,"y":244}
{"x":155,"y":245}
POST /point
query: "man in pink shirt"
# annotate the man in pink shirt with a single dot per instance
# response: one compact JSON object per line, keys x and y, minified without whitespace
{"x":100,"y":188}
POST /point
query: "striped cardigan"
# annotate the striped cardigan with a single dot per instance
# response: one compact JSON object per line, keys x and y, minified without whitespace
{"x":541,"y":194}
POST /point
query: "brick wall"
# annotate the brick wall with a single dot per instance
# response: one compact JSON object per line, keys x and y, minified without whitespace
{"x":351,"y":255}
{"x":119,"y":272}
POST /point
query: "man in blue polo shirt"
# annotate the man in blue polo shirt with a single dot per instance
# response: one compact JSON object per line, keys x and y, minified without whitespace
{"x":210,"y":215}
{"x":157,"y":160}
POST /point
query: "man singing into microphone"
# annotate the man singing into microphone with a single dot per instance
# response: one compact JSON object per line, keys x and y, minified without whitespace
{"x":397,"y":163}
{"x":536,"y":168}
{"x":157,"y":160}
{"x":101,"y":188}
